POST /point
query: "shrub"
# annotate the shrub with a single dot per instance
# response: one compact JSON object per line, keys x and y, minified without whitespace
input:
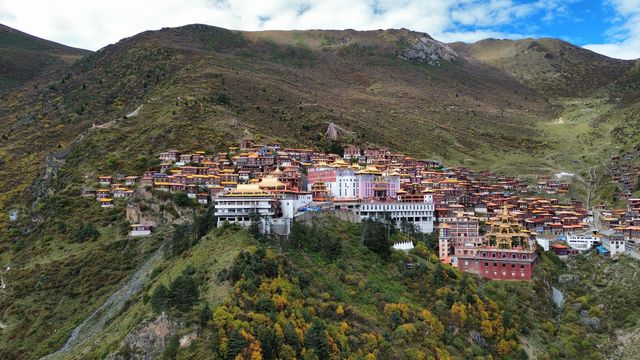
{"x":85,"y":232}
{"x":181,"y":198}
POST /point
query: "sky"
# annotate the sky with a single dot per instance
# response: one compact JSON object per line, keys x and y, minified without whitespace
{"x":609,"y":27}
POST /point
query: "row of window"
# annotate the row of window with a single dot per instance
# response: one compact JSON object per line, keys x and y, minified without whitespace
{"x":504,"y":273}
{"x":398,"y":207}
{"x":504,"y":256}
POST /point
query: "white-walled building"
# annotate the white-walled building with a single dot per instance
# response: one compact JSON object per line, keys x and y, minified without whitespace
{"x":615,"y":244}
{"x":140,"y":230}
{"x":240,"y":204}
{"x":292,"y":201}
{"x":417,"y":213}
{"x":345,"y":182}
{"x":582,"y":242}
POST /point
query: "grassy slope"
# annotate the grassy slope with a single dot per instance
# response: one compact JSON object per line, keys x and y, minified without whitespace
{"x":282,"y":91}
{"x":364,"y":286}
{"x":552,"y":67}
{"x":596,"y":99}
{"x":212,"y":254}
{"x":24,"y":57}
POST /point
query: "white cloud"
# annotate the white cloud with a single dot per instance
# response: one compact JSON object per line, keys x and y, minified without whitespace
{"x":625,"y":34}
{"x":94,"y":24}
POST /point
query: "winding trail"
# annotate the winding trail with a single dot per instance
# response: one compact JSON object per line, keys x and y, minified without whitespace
{"x":93,"y":324}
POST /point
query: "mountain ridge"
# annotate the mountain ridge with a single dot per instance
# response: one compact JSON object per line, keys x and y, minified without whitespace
{"x":24,"y":57}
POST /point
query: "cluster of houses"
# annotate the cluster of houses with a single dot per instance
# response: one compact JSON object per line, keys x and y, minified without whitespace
{"x":110,"y":188}
{"x":120,"y":186}
{"x":624,"y":175}
{"x":273,"y":185}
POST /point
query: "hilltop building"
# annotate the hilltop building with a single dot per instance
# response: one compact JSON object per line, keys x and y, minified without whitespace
{"x":508,"y":251}
{"x":458,"y":235}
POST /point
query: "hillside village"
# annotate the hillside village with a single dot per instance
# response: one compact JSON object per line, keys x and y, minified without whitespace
{"x":486,"y":223}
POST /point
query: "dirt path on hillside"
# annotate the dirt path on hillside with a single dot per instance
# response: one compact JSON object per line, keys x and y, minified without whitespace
{"x":93,"y":324}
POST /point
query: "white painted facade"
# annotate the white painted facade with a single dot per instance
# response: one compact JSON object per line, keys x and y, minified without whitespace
{"x":582,"y":242}
{"x":240,"y":209}
{"x":543,"y":242}
{"x":290,"y":203}
{"x":615,"y":245}
{"x":418,"y":213}
{"x":140,"y":230}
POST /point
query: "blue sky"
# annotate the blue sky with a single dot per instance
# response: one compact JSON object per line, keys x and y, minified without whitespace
{"x":610,"y":27}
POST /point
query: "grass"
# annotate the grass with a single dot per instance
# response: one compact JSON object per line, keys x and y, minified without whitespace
{"x":212,"y":253}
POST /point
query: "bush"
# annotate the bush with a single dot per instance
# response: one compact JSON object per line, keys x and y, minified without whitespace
{"x":85,"y":232}
{"x":181,"y":198}
{"x":222,"y":99}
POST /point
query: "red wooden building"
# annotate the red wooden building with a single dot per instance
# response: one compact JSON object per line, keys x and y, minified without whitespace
{"x":507,"y":253}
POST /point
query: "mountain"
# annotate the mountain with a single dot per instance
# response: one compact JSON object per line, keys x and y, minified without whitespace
{"x":286,"y":86}
{"x":24,"y":57}
{"x":528,"y":107}
{"x":552,"y":67}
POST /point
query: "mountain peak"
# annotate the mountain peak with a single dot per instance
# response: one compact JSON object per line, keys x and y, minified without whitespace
{"x":425,"y":49}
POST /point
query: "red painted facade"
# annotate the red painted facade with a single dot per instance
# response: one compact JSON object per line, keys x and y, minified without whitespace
{"x":500,"y":264}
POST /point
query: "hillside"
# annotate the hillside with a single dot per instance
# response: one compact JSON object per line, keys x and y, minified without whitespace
{"x":203,"y":87}
{"x":553,"y":67}
{"x":24,"y":57}
{"x":261,"y":297}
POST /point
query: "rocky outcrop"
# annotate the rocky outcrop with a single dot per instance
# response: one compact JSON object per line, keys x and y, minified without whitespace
{"x":427,"y":50}
{"x":148,"y":340}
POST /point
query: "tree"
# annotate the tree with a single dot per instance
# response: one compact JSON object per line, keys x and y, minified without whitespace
{"x":237,"y":343}
{"x":183,"y":292}
{"x":458,"y":314}
{"x":85,"y":232}
{"x":486,"y":329}
{"x":180,"y":241}
{"x":160,"y":299}
{"x":316,"y":339}
{"x":205,"y":222}
{"x":205,"y":315}
{"x":291,"y":337}
{"x":376,"y":237}
{"x":268,"y":342}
